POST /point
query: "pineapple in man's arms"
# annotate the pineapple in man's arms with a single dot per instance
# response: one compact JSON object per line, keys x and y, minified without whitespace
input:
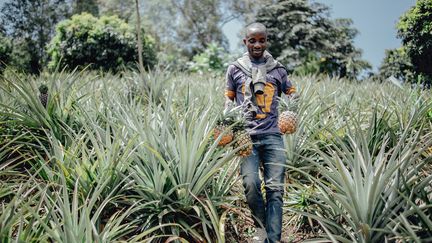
{"x":288,"y":118}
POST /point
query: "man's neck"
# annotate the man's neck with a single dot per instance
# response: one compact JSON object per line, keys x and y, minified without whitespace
{"x":259,"y":60}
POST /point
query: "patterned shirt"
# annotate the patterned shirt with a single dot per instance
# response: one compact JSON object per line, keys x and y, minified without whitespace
{"x":266,"y":120}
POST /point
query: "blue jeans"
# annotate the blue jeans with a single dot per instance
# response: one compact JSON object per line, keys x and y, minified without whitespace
{"x":268,"y":149}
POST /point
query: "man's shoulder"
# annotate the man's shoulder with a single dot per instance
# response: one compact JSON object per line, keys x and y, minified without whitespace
{"x":280,"y":70}
{"x":233,"y":68}
{"x":280,"y":66}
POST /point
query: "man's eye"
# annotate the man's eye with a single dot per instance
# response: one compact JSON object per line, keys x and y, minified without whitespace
{"x":251,"y":41}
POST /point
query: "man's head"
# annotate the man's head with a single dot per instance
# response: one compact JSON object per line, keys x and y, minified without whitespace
{"x":256,"y":40}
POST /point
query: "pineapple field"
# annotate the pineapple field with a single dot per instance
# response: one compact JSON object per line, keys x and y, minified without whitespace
{"x":96,"y":157}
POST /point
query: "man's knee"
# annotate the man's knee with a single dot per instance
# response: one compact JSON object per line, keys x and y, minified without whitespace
{"x":251,"y":182}
{"x":274,"y":191}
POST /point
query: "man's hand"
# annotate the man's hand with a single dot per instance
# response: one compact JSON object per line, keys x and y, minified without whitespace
{"x":293,"y":96}
{"x":229,"y":105}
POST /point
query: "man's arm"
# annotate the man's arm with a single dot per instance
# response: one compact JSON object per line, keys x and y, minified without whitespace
{"x":229,"y":88}
{"x":287,"y":87}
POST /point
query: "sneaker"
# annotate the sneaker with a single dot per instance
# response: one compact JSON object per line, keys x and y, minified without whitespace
{"x":259,"y":236}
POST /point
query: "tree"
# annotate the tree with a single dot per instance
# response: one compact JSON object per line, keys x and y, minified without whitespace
{"x":244,"y":10}
{"x":187,"y":25}
{"x":88,"y":6}
{"x":138,"y":34}
{"x":396,"y":63}
{"x":122,"y":8}
{"x":106,"y":43}
{"x":31,"y":23}
{"x":183,"y":27}
{"x":295,"y":27}
{"x":415,"y":30}
{"x":300,"y":31}
{"x":5,"y":51}
{"x":213,"y":59}
{"x":197,"y":28}
{"x":341,"y":51}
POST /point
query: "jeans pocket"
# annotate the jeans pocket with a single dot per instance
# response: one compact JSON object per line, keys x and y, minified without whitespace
{"x":274,"y":140}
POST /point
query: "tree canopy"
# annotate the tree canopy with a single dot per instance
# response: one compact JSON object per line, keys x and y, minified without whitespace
{"x":5,"y":51}
{"x":31,"y":25}
{"x":302,"y":34}
{"x":106,"y":43}
{"x":396,"y":63}
{"x":415,"y":30}
{"x":300,"y":31}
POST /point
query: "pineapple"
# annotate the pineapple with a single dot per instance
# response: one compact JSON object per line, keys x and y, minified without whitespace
{"x":225,"y":131}
{"x":223,"y":127}
{"x":288,"y":119}
{"x":43,"y":96}
{"x":242,"y":139}
{"x":287,"y":122}
{"x":232,"y":126}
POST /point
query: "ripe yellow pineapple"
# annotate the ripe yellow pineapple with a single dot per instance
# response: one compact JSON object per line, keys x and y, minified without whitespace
{"x":223,"y":128}
{"x":287,"y":122}
{"x":288,"y":118}
{"x":243,"y":140}
{"x":232,"y":126}
{"x":224,"y":131}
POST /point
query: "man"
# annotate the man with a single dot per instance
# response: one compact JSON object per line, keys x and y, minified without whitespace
{"x":254,"y":82}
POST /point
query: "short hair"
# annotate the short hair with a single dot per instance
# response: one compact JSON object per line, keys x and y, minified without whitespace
{"x":256,"y":26}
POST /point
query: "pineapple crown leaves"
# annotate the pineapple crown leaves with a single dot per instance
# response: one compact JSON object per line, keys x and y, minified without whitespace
{"x":290,"y":102}
{"x":43,"y":89}
{"x":240,"y":125}
{"x":229,"y":116}
{"x":232,"y":117}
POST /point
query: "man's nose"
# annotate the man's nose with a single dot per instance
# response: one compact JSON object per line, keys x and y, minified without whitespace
{"x":256,"y":45}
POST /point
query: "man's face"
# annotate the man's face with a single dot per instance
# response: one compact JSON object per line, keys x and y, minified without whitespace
{"x":256,"y":42}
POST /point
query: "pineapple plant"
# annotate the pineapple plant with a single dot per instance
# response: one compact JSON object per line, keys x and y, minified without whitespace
{"x":287,"y":121}
{"x":43,"y":96}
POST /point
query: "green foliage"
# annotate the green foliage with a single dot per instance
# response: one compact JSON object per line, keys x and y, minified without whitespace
{"x":312,"y":65}
{"x":381,"y":126}
{"x":121,"y":164}
{"x":199,"y":24}
{"x":415,"y":30}
{"x":214,"y":58}
{"x":300,"y":31}
{"x":369,"y":188}
{"x":122,"y":8}
{"x":31,"y":24}
{"x":131,"y":157}
{"x":396,"y":63}
{"x":88,"y":6}
{"x":5,"y":52}
{"x":22,"y":59}
{"x":186,"y":26}
{"x":107,"y":43}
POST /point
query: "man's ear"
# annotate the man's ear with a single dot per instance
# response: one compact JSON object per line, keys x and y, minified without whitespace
{"x":244,"y":41}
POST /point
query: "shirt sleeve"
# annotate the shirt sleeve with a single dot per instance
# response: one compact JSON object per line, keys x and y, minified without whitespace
{"x":230,"y":85}
{"x":287,"y":87}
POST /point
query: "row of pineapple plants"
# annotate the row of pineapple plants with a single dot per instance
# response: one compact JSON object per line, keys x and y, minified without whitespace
{"x":125,"y":161}
{"x":361,"y":159}
{"x":136,"y":157}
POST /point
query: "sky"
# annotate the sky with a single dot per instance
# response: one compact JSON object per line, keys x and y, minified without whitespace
{"x":375,"y":20}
